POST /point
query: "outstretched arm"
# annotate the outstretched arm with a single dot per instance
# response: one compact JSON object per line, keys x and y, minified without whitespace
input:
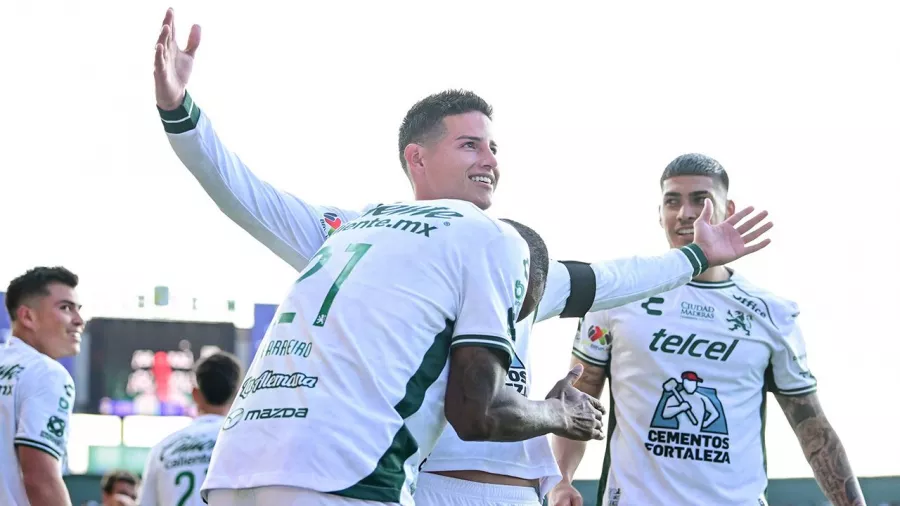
{"x":823,"y":449}
{"x":576,"y":288}
{"x":291,"y":228}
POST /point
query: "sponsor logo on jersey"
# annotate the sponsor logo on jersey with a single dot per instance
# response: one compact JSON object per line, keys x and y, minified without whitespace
{"x":177,"y":453}
{"x":284,"y":347}
{"x":653,"y":301}
{"x":697,"y":311}
{"x":10,"y":372}
{"x":693,"y":346}
{"x":598,"y":335}
{"x":438,"y":212}
{"x":517,"y":377}
{"x":331,"y":222}
{"x":270,"y":380}
{"x":413,"y":227}
{"x":752,"y":305}
{"x":738,"y":320}
{"x":240,"y":414}
{"x":55,"y":431}
{"x":689,"y":422}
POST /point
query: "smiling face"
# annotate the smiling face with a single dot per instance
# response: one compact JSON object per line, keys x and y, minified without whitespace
{"x":51,"y":323}
{"x":682,"y":201}
{"x":458,"y":161}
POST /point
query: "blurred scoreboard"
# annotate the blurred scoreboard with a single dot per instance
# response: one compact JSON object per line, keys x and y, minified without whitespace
{"x":144,"y":367}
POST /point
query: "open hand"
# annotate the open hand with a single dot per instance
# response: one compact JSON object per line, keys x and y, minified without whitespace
{"x":728,"y":241}
{"x":172,"y":66}
{"x":583,"y":413}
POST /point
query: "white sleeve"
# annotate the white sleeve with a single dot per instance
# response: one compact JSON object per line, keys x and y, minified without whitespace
{"x":149,"y":496}
{"x":593,"y":339}
{"x":45,"y":400}
{"x":575,"y":288}
{"x":493,"y":287}
{"x":790,"y":372}
{"x":291,"y":228}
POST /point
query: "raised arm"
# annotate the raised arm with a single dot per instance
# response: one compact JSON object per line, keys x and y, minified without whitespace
{"x":576,"y":288}
{"x":291,"y":228}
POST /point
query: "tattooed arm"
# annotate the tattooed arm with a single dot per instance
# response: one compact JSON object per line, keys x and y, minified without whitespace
{"x":823,"y":449}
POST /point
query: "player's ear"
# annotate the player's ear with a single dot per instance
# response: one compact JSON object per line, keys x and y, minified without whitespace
{"x":414,"y":154}
{"x":195,"y":394}
{"x":26,"y":317}
{"x":659,"y":216}
{"x":729,"y":208}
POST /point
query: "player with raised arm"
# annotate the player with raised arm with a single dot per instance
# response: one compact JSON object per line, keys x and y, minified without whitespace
{"x":37,"y":393}
{"x":447,"y":150}
{"x":351,"y":387}
{"x":688,"y":374}
{"x":176,"y":466}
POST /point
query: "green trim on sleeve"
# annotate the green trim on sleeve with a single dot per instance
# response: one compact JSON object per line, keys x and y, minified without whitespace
{"x":697,"y":258}
{"x":183,"y":119}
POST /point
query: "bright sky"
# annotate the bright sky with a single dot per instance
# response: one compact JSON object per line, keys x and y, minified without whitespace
{"x":798,"y":100}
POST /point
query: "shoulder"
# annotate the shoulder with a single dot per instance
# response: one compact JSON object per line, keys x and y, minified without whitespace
{"x":780,"y":311}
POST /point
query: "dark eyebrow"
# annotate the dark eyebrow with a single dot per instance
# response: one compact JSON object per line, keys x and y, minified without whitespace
{"x":69,"y":302}
{"x":492,"y":144}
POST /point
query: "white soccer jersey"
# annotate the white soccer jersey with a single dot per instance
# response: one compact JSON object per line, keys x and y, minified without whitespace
{"x":294,"y":230}
{"x":688,"y":375}
{"x":346,"y":392}
{"x":176,"y":466}
{"x":36,"y":399}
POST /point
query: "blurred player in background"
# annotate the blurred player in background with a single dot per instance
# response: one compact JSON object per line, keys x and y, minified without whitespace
{"x":37,"y":393}
{"x":176,"y":466}
{"x":688,"y":373}
{"x":119,"y":488}
{"x":447,"y":150}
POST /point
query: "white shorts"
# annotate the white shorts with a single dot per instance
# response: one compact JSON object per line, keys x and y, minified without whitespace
{"x":437,"y":490}
{"x":282,"y":496}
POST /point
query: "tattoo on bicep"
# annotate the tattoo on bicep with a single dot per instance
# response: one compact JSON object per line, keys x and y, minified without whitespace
{"x":822,"y":448}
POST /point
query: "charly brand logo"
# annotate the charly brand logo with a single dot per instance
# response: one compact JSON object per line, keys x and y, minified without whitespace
{"x":653,"y":301}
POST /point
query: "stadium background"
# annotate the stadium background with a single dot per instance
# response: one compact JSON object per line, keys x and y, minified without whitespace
{"x":133,"y":381}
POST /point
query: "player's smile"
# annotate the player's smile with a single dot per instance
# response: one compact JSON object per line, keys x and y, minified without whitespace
{"x":485,"y":181}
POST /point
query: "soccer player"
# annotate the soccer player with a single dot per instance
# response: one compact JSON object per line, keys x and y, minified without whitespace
{"x":688,"y":374}
{"x":176,"y":466}
{"x":119,"y":488}
{"x":350,"y":387}
{"x":37,"y":394}
{"x":447,"y":151}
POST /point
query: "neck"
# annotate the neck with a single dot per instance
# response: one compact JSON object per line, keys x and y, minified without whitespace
{"x":714,"y":274}
{"x":27,"y":338}
{"x":213,"y":410}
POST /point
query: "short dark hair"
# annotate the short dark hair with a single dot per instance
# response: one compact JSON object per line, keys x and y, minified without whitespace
{"x":695,"y":164}
{"x":34,"y":283}
{"x":540,"y":258}
{"x":425,"y":118}
{"x":114,"y":476}
{"x":218,"y":377}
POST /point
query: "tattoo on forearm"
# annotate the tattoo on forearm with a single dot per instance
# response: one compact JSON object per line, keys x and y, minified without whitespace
{"x":823,"y":450}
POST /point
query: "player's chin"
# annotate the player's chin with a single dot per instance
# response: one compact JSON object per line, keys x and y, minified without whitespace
{"x":482,"y":198}
{"x":678,"y":240}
